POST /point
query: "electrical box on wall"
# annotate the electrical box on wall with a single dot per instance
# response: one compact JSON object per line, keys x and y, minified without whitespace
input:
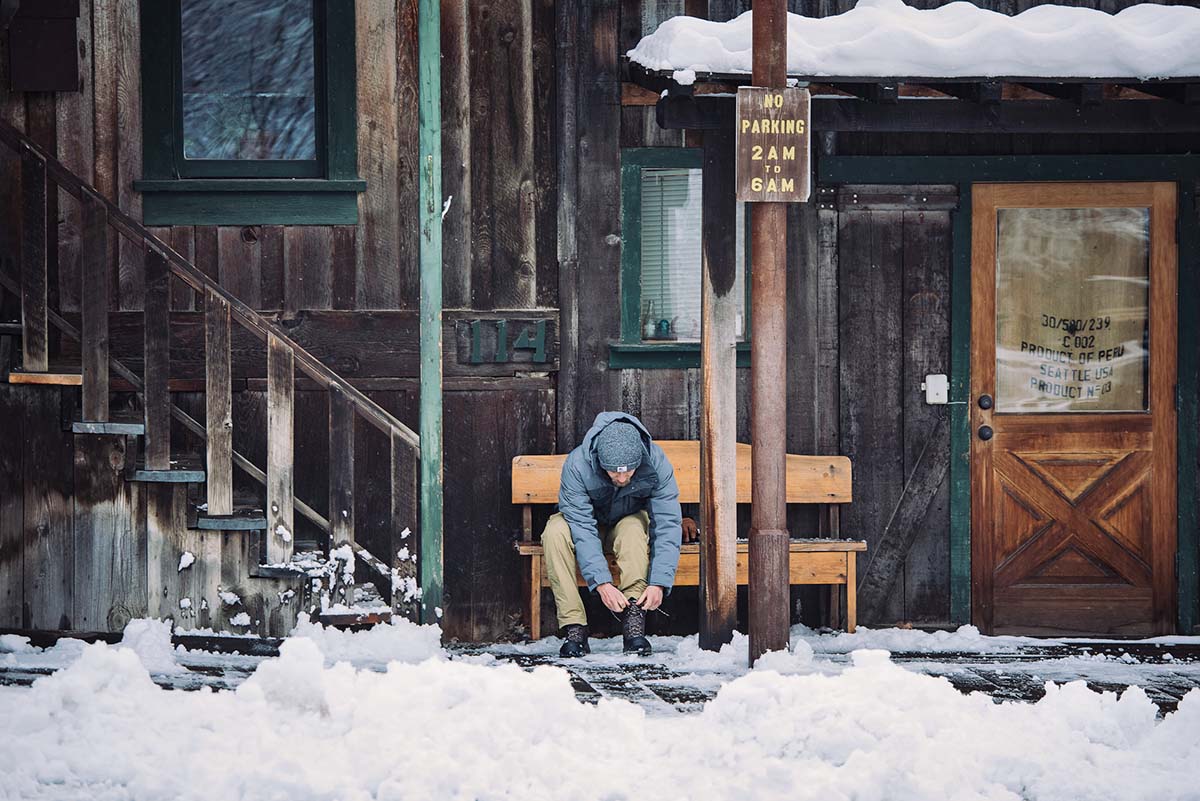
{"x":43,"y":49}
{"x":937,"y":389}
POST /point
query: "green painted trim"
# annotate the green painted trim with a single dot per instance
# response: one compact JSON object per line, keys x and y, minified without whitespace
{"x":691,"y":158}
{"x":251,"y":184}
{"x":1188,"y":412}
{"x":833,"y":170}
{"x":337,"y":143}
{"x":429,"y":49}
{"x":675,"y":355}
{"x":250,"y":208}
{"x":341,"y":92}
{"x":631,"y":250}
{"x":960,"y":410}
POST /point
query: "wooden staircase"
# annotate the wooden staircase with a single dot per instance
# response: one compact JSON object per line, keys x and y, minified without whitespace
{"x":234,"y":543}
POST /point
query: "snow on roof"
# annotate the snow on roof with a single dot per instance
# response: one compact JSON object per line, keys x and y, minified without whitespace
{"x":886,"y":38}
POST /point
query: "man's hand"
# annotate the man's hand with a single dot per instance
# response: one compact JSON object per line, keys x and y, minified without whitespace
{"x":613,"y":598}
{"x":691,"y":532}
{"x":651,"y":597}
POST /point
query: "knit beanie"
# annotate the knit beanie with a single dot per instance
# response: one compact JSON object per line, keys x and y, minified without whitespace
{"x":619,"y":447}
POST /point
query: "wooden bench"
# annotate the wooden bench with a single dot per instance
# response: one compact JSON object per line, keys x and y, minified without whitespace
{"x":823,"y":480}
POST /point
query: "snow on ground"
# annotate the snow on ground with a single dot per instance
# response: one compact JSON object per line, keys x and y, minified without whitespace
{"x":889,"y":38}
{"x":318,"y":723}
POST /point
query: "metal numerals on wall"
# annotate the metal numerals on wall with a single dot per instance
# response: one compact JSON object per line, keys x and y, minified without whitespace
{"x":500,"y":341}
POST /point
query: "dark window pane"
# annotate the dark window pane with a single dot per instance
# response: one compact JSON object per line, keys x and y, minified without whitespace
{"x":248,"y":79}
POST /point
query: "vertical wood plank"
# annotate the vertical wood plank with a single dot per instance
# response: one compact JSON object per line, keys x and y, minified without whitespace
{"x":307,"y":272}
{"x":95,"y":306}
{"x":74,"y":128}
{"x":720,"y":307}
{"x":206,"y":260}
{"x":34,"y":283}
{"x":377,"y":250}
{"x":12,"y":509}
{"x":272,"y":257}
{"x":827,"y":396}
{"x":926,"y":338}
{"x":218,"y":405}
{"x":567,"y":153}
{"x":341,"y":467}
{"x":107,"y":569}
{"x":49,"y":531}
{"x":157,"y":350}
{"x":182,"y":241}
{"x":239,"y":259}
{"x":503,"y":60}
{"x":405,"y":516}
{"x":344,"y":278}
{"x":409,"y":68}
{"x":545,"y":86}
{"x":280,"y":493}
{"x":598,"y":208}
{"x":128,"y":125}
{"x":870,"y":300}
{"x":456,"y":155}
{"x":104,"y":120}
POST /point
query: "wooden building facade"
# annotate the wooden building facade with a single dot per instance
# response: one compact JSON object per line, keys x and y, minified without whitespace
{"x":544,"y":135}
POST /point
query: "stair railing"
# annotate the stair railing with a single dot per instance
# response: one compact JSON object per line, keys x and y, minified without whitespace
{"x":40,"y":173}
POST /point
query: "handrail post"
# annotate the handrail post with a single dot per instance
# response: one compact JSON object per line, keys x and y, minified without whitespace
{"x":280,"y":492}
{"x":34,"y":323}
{"x":94,"y":304}
{"x":341,"y":493}
{"x":157,"y":348}
{"x":405,"y":545}
{"x":218,"y":405}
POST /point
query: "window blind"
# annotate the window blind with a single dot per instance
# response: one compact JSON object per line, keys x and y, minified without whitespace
{"x":671,"y":254}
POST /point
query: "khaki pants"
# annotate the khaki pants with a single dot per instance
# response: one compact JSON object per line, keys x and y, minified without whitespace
{"x":628,"y":540}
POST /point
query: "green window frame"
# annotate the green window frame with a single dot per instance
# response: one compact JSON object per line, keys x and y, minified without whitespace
{"x":320,"y":191}
{"x":630,"y":351}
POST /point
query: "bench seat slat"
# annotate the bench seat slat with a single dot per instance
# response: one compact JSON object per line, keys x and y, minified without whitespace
{"x":743,"y":546}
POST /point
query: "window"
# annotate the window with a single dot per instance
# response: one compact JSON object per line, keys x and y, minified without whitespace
{"x":662,"y":258}
{"x":249,"y":112}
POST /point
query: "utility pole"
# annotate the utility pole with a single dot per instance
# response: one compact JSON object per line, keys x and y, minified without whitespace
{"x":768,"y":580}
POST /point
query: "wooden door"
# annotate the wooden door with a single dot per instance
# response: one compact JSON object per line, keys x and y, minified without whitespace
{"x":1073,"y":464}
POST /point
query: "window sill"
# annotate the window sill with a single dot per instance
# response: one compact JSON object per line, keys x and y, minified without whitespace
{"x":250,"y":201}
{"x":663,"y":355}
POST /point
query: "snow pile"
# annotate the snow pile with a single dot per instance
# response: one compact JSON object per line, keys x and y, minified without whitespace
{"x":150,"y":640}
{"x":446,"y":729}
{"x":888,"y":38}
{"x":967,"y":640}
{"x":14,"y":644}
{"x":398,"y":641}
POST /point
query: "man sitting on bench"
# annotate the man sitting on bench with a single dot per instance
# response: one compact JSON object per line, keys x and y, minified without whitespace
{"x":617,"y":493}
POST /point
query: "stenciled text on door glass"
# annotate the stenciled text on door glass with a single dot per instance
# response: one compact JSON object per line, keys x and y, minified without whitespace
{"x":1072,"y":309}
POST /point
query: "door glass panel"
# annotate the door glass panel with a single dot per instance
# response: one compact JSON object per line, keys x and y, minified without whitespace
{"x":248,"y":79}
{"x":1072,"y":309}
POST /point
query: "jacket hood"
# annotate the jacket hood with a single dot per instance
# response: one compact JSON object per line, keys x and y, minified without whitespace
{"x":604,"y":419}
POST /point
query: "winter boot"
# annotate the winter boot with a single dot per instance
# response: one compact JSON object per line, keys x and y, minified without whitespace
{"x":576,"y":643}
{"x":633,"y":629}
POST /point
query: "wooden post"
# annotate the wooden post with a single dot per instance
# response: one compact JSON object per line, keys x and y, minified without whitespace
{"x":341,"y":468}
{"x":430,"y":204}
{"x":157,"y":343}
{"x":720,"y":306}
{"x":218,"y":402}
{"x":94,"y":301}
{"x":280,"y":494}
{"x":768,"y":568}
{"x":34,"y":322}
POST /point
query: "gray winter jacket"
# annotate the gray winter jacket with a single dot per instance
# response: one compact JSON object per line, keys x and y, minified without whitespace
{"x":587,"y":496}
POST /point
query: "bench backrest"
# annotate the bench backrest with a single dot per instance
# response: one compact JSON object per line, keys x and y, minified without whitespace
{"x":810,"y":479}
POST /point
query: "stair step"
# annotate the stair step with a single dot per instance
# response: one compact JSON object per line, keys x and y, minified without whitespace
{"x":241,"y":520}
{"x":49,"y":379}
{"x":353,"y":619}
{"x":276,"y":571}
{"x":128,"y":429}
{"x":11,"y":329}
{"x":169,"y":476}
